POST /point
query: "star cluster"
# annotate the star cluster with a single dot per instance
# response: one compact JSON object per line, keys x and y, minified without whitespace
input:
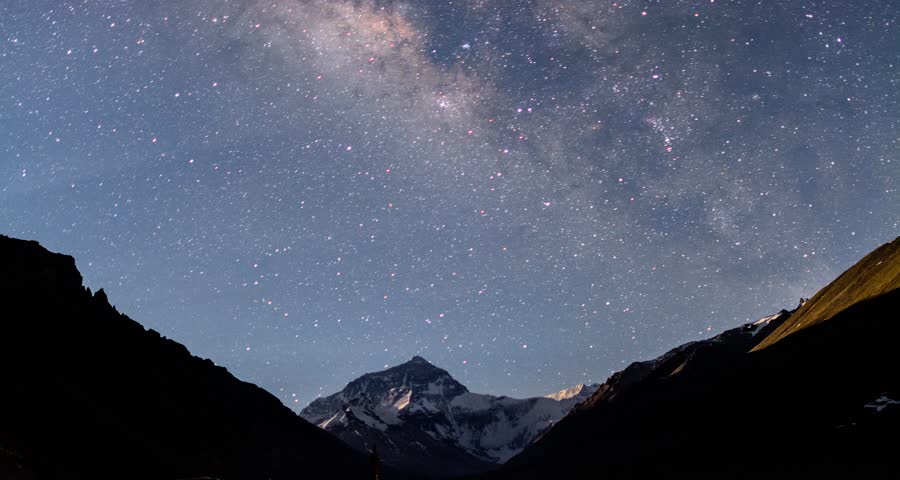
{"x":531,"y":194}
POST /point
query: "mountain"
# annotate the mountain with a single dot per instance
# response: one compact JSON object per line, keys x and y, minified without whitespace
{"x":421,"y":419}
{"x":89,"y":393}
{"x":809,"y":393}
{"x":876,"y":274}
{"x":85,"y":392}
{"x":731,"y":342}
{"x":581,"y":391}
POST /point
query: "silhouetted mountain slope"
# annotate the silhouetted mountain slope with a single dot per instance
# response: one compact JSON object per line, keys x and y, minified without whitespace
{"x":820,"y":402}
{"x":731,"y":342}
{"x":421,"y":419}
{"x":89,"y":393}
{"x":877,"y":273}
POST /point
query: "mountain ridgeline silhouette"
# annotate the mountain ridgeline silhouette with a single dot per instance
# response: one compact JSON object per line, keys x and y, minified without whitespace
{"x":813,"y":394}
{"x":89,"y":393}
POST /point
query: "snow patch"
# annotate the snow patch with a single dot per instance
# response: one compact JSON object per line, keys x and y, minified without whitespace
{"x":765,"y":320}
{"x":567,"y":393}
{"x":418,"y":398}
{"x":882,"y":403}
{"x":758,"y":325}
{"x":339,"y":416}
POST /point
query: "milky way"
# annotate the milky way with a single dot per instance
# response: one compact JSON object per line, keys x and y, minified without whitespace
{"x":530,"y":194}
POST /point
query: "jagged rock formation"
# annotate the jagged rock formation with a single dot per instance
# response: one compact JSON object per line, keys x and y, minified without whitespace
{"x":422,"y":419}
{"x":89,"y":393}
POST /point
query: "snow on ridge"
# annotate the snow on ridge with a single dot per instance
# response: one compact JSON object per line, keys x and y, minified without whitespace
{"x":403,"y":401}
{"x":418,"y":397}
{"x":881,"y":403}
{"x":566,"y":393}
{"x":368,"y":417}
{"x":758,"y":325}
{"x":341,"y":414}
{"x":388,"y":410}
{"x":766,"y":320}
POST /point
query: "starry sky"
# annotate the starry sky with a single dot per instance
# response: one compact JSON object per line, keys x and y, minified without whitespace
{"x":530,"y":194}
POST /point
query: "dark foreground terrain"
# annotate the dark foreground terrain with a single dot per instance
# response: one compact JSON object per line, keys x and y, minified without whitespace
{"x":89,"y":393}
{"x":816,"y":395}
{"x":813,"y":393}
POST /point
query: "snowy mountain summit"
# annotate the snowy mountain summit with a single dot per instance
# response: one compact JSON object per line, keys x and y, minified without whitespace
{"x":416,"y":414}
{"x":573,"y":392}
{"x":385,"y":398}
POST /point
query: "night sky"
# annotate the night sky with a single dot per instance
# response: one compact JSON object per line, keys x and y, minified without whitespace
{"x":530,"y":194}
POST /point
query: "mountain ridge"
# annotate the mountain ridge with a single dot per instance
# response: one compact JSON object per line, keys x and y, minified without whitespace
{"x":875,"y":274}
{"x":90,"y":393}
{"x":417,"y":410}
{"x":821,"y":401}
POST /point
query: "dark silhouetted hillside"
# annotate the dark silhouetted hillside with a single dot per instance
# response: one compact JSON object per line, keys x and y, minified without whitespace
{"x":89,"y":393}
{"x":820,"y":401}
{"x":877,"y":273}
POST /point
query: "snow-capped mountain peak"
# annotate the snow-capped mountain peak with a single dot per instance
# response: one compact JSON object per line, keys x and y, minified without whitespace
{"x":416,"y":407}
{"x":381,"y":399}
{"x":567,"y":393}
